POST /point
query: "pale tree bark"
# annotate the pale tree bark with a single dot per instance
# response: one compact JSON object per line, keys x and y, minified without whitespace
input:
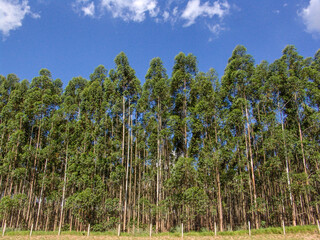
{"x":309,"y":208}
{"x":294,"y":223}
{"x":127,"y":176}
{"x":41,"y":193}
{"x":184,"y":117}
{"x":33,"y":180}
{"x":252,"y":168}
{"x":64,"y":189}
{"x":122,"y":154}
{"x":219,"y":184}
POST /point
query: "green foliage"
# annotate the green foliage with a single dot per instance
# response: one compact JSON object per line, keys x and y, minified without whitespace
{"x":192,"y":149}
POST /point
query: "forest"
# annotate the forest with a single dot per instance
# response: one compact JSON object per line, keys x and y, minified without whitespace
{"x":192,"y":148}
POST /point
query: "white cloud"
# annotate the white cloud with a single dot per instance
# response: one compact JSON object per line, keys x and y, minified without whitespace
{"x":131,"y":10}
{"x":311,"y":16}
{"x":171,"y":15}
{"x":86,"y":7}
{"x":12,"y":12}
{"x":89,"y":9}
{"x":276,"y":11}
{"x":165,"y":16}
{"x":216,"y":29}
{"x":175,"y":11}
{"x":171,"y":11}
{"x":194,"y":10}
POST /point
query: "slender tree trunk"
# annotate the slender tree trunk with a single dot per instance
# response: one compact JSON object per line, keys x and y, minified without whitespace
{"x":219,"y":200}
{"x":252,"y":169}
{"x":135,"y":180}
{"x":33,"y":174}
{"x":301,"y":141}
{"x":288,"y":170}
{"x":139,"y":192}
{"x":309,"y":208}
{"x":249,"y":170}
{"x":122,"y":155}
{"x":160,"y":174}
{"x":130,"y":176}
{"x":184,"y":118}
{"x":157,"y":167}
{"x":41,"y":193}
{"x":218,"y":183}
{"x":127,"y":176}
{"x":64,"y":189}
{"x":244,"y":213}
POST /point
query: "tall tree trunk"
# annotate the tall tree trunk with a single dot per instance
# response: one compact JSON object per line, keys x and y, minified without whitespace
{"x":139,"y":192}
{"x":158,"y":167}
{"x":219,"y":200}
{"x":130,"y":176}
{"x":287,"y":169}
{"x":122,"y":155}
{"x":127,"y":176}
{"x":309,"y":208}
{"x":135,"y":180}
{"x":218,"y":183}
{"x":184,"y":118}
{"x":33,"y":175}
{"x":64,"y":189}
{"x":252,"y":168}
{"x":41,"y":193}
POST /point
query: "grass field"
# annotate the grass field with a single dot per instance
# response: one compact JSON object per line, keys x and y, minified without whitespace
{"x":292,"y":233}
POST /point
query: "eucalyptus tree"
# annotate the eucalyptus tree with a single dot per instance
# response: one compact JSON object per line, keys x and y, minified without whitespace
{"x":263,"y":110}
{"x":99,"y":74}
{"x":7,"y":86}
{"x":313,"y":131}
{"x":281,"y":136}
{"x":192,"y":149}
{"x":11,"y":95}
{"x":236,"y":84}
{"x":42,"y":99}
{"x":184,"y":71}
{"x":71,"y":111}
{"x":156,"y":99}
{"x":206,"y":138}
{"x":129,"y":88}
{"x":85,"y":107}
{"x":92,"y":108}
{"x":13,"y":140}
{"x":292,"y":92}
{"x":308,"y":114}
{"x":183,"y":177}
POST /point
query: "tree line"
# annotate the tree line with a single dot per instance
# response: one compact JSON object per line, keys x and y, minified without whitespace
{"x":192,"y":149}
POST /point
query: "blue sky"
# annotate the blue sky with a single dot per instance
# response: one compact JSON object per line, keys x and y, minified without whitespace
{"x":71,"y":38}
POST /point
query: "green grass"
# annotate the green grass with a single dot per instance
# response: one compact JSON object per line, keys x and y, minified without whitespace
{"x":145,"y":233}
{"x":270,"y":230}
{"x":261,"y":231}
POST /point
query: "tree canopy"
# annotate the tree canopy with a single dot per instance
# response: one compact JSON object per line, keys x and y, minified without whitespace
{"x":190,"y":148}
